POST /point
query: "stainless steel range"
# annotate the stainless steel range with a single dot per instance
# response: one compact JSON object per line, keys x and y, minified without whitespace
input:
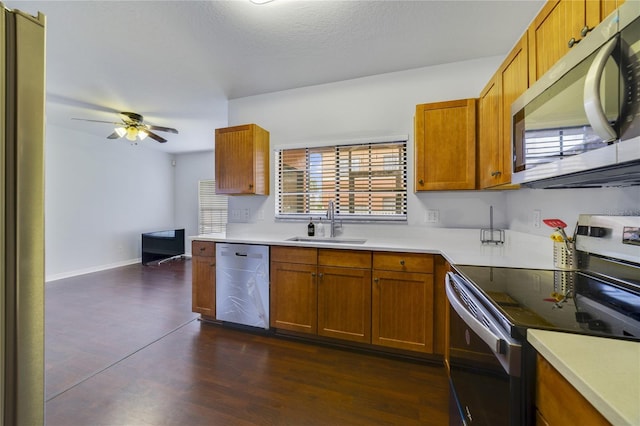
{"x":491,"y":309}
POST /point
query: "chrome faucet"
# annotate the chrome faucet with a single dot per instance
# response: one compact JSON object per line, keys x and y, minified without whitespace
{"x":331,"y":215}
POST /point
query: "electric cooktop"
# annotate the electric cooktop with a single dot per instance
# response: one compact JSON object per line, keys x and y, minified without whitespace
{"x":558,"y":300}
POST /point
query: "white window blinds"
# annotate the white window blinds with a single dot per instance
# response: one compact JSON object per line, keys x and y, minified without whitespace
{"x":212,"y":208}
{"x":366,"y":181}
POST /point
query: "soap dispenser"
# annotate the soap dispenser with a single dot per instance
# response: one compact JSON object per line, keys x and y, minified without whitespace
{"x":311,"y":228}
{"x":320,"y":228}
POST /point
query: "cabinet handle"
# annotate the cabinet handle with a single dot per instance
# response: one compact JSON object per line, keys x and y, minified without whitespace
{"x":421,"y":181}
{"x":573,"y":42}
{"x":585,"y":30}
{"x":320,"y":275}
{"x":402,"y":262}
{"x":496,"y":173}
{"x":212,"y":264}
{"x":250,"y":186}
{"x":203,"y":248}
{"x":313,"y":274}
{"x":375,"y":280}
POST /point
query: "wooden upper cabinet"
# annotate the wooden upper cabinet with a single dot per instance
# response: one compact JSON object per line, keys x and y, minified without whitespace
{"x":494,"y":117}
{"x":489,"y":133}
{"x":242,"y":160}
{"x":445,"y":145}
{"x":598,"y":10}
{"x":559,"y":22}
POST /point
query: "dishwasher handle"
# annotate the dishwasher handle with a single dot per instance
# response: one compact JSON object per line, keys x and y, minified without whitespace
{"x":241,"y":254}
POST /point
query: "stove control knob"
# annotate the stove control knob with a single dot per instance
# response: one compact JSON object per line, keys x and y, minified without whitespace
{"x":597,"y":325}
{"x":583,"y":317}
{"x":597,"y":232}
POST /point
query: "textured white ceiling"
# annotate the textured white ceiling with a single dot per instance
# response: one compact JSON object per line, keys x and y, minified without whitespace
{"x":178,"y":62}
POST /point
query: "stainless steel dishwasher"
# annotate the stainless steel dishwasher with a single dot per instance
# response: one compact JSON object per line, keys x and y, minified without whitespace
{"x":242,"y":284}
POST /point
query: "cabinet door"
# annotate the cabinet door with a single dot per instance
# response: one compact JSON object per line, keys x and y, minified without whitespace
{"x":242,"y":160}
{"x":294,"y":302}
{"x":558,"y":402}
{"x":489,"y":133}
{"x":402,"y":310}
{"x":203,"y":285}
{"x":558,"y":22}
{"x":344,"y":303}
{"x":513,"y":83}
{"x":445,"y":145}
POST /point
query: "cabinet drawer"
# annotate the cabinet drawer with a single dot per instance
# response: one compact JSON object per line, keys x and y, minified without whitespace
{"x":407,"y":262}
{"x":345,"y":258}
{"x":203,"y":248}
{"x":306,"y":255}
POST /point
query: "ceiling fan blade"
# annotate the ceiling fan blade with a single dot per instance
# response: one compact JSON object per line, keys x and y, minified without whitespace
{"x":162,"y":129}
{"x":113,"y":135}
{"x":133,"y":117}
{"x":95,"y":121}
{"x":156,"y":137}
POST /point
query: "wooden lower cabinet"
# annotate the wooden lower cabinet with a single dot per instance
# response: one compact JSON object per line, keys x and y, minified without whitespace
{"x":403,"y":301}
{"x":294,"y":299}
{"x":558,"y":402}
{"x":440,"y":307}
{"x":294,"y":289}
{"x":387,"y":299}
{"x":203,"y":278}
{"x":344,"y":303}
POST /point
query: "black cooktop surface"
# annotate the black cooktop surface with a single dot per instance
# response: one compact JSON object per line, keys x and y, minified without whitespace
{"x":558,"y":300}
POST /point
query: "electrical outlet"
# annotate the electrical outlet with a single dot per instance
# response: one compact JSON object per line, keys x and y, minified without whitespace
{"x":432,"y":216}
{"x":537,"y":218}
{"x":245,"y":215}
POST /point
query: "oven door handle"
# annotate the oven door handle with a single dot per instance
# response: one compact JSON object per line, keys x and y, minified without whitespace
{"x":491,"y":339}
{"x":506,"y":349}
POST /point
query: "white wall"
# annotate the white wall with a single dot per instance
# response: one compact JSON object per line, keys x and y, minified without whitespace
{"x":190,"y":168}
{"x":567,"y":204}
{"x":385,"y":105}
{"x":100,"y":195}
{"x":368,"y":107}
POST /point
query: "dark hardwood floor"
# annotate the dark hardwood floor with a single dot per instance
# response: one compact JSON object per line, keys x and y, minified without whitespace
{"x":123,"y":348}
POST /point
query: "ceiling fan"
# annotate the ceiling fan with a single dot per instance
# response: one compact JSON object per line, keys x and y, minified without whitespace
{"x":133,"y":128}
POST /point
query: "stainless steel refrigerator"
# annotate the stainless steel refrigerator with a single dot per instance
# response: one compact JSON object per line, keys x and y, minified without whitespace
{"x":22,"y":95}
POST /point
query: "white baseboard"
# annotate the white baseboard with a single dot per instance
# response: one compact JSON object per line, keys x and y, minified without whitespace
{"x":55,"y":277}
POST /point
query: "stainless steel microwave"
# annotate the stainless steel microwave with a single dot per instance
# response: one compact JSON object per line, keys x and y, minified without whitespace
{"x":579,"y":125}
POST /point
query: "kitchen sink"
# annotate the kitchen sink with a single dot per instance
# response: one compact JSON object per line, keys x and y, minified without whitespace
{"x":327,"y":240}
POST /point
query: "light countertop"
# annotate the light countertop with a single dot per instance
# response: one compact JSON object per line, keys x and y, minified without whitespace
{"x":458,"y":246}
{"x":605,"y":371}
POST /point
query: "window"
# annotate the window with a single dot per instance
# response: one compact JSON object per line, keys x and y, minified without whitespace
{"x":212,"y":208}
{"x":366,"y":181}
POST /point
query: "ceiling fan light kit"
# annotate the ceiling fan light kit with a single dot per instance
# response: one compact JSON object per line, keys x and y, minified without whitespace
{"x":133,"y":128}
